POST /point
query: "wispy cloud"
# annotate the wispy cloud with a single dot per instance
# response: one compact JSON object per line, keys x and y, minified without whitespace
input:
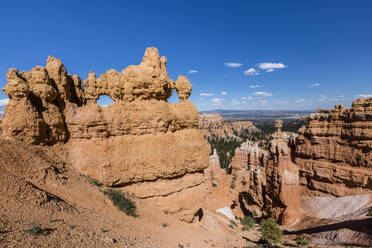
{"x":235,"y":102}
{"x":223,"y":93}
{"x":251,"y":72}
{"x":314,"y":85}
{"x":254,"y":86}
{"x":269,"y":67}
{"x":4,"y":102}
{"x":217,"y":101}
{"x":233,"y":64}
{"x":206,"y":94}
{"x":364,"y":95}
{"x":247,"y":98}
{"x":262,"y":93}
{"x":193,"y":71}
{"x":300,"y":100}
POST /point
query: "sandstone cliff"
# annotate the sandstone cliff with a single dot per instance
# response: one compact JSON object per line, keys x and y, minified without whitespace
{"x":140,"y":142}
{"x":334,"y":151}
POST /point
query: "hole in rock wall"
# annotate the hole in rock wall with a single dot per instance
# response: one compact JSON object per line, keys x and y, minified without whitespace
{"x":174,"y":97}
{"x":104,"y":100}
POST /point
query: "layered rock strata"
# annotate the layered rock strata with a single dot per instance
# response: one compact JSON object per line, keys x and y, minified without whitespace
{"x":334,"y":151}
{"x":140,"y":142}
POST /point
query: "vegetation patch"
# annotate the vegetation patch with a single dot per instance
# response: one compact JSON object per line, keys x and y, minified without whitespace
{"x":369,"y":212}
{"x":247,"y":222}
{"x":36,"y":230}
{"x":233,"y":181}
{"x":243,"y":181}
{"x":122,"y":202}
{"x":302,"y":240}
{"x":271,"y":232}
{"x":90,"y":180}
{"x":254,"y":214}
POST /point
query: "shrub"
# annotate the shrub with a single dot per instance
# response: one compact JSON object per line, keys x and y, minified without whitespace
{"x":302,"y":240}
{"x":233,"y":181}
{"x":244,"y":182}
{"x":369,"y":213}
{"x":214,"y":184}
{"x":232,"y":224}
{"x":35,"y":230}
{"x":254,"y":214}
{"x":164,"y":224}
{"x":90,"y":180}
{"x":271,"y":232}
{"x":247,"y":222}
{"x":122,"y":202}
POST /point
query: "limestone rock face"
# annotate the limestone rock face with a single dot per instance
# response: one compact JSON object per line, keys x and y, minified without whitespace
{"x":141,"y":142}
{"x":334,"y":151}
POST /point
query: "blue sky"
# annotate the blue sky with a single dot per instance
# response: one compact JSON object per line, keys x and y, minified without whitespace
{"x":282,"y":54}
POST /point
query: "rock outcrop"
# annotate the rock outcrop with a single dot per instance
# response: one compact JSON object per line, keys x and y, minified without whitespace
{"x":269,"y":179}
{"x":282,"y":199}
{"x":334,"y":151}
{"x":140,"y":142}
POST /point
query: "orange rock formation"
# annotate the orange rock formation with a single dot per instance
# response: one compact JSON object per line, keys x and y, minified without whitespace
{"x":334,"y":151}
{"x":269,"y":179}
{"x":140,"y":141}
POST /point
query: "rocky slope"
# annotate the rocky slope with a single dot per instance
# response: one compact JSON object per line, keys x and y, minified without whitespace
{"x":334,"y":151}
{"x":140,"y":142}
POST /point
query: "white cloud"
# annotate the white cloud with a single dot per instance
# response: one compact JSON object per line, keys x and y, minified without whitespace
{"x":262,"y":101}
{"x":314,"y":85}
{"x":247,"y":98}
{"x":233,"y":64}
{"x":280,"y":101}
{"x":269,"y":67}
{"x":251,"y":72}
{"x":254,"y":86}
{"x":217,"y":101}
{"x":193,"y":71}
{"x":4,"y":102}
{"x":234,"y":102}
{"x":262,"y":93}
{"x":223,"y":93}
{"x":364,"y":95}
{"x":206,"y":94}
{"x":300,"y":100}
